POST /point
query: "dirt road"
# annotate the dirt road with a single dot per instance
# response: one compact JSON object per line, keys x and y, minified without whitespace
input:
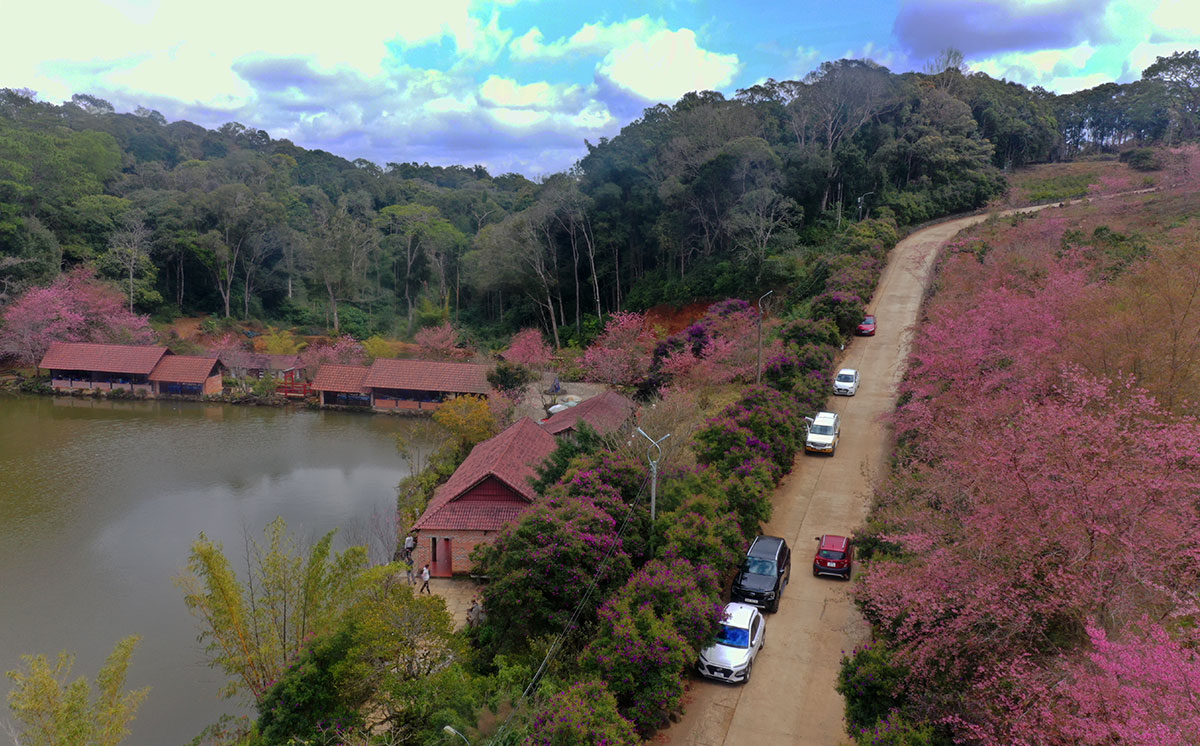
{"x":791,"y":698}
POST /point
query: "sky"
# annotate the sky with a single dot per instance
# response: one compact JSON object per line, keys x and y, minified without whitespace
{"x":520,"y":85}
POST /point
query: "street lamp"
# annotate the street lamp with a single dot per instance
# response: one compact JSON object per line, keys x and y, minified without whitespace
{"x":448,"y":729}
{"x":860,"y":203}
{"x":758,"y":366}
{"x":653,"y":466}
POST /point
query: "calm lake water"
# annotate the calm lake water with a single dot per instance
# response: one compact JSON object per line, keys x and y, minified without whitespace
{"x":99,"y":504}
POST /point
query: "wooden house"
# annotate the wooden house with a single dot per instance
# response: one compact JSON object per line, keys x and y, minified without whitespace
{"x":89,"y":366}
{"x":422,"y":384}
{"x":489,"y":489}
{"x":186,"y":375}
{"x":342,"y":385}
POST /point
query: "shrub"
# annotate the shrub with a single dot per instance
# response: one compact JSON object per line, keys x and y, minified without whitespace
{"x":641,"y":657}
{"x":685,"y":593}
{"x":1143,"y":159}
{"x":871,"y":685}
{"x":702,"y":531}
{"x":308,"y":694}
{"x":583,"y":714}
{"x":540,"y":567}
{"x":844,"y":309}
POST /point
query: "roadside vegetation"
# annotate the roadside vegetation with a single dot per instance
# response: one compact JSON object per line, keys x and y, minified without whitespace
{"x":1029,"y":575}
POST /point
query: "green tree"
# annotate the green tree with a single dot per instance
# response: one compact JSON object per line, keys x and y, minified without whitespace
{"x":53,"y":711}
{"x":468,"y":419}
{"x":253,"y":630}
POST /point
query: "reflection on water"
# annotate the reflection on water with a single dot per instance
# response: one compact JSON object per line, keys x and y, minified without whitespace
{"x":100,"y":500}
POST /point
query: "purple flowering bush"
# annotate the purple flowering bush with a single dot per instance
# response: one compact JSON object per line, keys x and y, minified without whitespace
{"x":688,"y":595}
{"x":583,"y":714}
{"x":642,"y":657}
{"x":540,"y":568}
{"x":702,"y":531}
{"x":843,"y":308}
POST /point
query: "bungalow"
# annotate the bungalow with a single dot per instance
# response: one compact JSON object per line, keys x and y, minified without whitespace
{"x":186,"y":375}
{"x":90,"y":366}
{"x":342,"y":385}
{"x":605,"y":413}
{"x":489,"y":489}
{"x":422,"y":384}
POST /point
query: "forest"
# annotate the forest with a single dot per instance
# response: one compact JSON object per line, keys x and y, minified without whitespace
{"x":710,"y":198}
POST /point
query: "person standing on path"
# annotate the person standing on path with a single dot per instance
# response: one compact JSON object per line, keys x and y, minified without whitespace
{"x":408,"y":570}
{"x":425,"y":581}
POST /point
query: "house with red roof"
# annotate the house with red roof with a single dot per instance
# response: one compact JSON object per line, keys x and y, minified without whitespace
{"x":342,"y":385}
{"x":90,"y":366}
{"x":187,"y":375}
{"x":399,"y":385}
{"x":422,"y":384}
{"x":489,"y":489}
{"x":606,"y":413}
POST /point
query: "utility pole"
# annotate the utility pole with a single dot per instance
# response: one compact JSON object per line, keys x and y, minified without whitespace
{"x":653,"y":467}
{"x":758,"y":366}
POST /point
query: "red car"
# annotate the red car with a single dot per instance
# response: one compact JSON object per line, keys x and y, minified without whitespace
{"x":834,"y":556}
{"x":867,"y":327}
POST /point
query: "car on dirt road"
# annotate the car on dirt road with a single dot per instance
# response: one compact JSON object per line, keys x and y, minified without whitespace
{"x":824,"y":430}
{"x":739,"y":640}
{"x":764,"y":573}
{"x":834,"y":557}
{"x":866,"y":327}
{"x":846,"y":382}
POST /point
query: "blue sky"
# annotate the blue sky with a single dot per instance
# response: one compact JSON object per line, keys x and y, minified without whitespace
{"x":518,"y":85}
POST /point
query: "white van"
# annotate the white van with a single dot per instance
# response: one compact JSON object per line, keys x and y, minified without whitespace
{"x":823,"y":433}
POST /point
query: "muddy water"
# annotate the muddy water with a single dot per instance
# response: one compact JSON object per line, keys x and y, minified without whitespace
{"x":99,"y":502}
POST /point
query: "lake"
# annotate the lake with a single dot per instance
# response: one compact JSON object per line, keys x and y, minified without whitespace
{"x":101,"y":500}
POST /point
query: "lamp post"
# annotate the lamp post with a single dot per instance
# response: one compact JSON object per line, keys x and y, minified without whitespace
{"x":653,"y":467}
{"x":448,"y":729}
{"x":758,"y":365}
{"x":860,"y":203}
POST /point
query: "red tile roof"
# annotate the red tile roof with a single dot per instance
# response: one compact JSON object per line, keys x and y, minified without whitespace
{"x":255,"y":360}
{"x":605,"y":413}
{"x":511,"y":457}
{"x":343,"y":379}
{"x":425,"y":375}
{"x":183,"y":369}
{"x":134,"y":359}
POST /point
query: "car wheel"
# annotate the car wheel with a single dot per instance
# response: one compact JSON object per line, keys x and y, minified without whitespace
{"x":774,"y":607}
{"x":749,"y":669}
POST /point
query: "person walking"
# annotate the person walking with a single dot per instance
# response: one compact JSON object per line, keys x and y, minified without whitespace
{"x":425,"y":580}
{"x":408,"y":570}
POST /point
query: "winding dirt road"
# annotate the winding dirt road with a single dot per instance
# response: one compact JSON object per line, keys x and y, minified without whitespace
{"x":791,"y":698}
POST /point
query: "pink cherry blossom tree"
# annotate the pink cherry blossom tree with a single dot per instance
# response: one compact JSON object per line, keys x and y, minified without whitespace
{"x":75,"y":307}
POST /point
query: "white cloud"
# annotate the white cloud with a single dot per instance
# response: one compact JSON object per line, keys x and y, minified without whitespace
{"x":590,"y":39}
{"x":885,"y":56}
{"x":506,"y":92}
{"x":666,"y":65}
{"x":1179,"y":18}
{"x":1058,"y":70}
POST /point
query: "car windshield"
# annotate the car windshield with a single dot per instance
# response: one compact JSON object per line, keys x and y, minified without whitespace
{"x":756,"y":566}
{"x":830,"y":554}
{"x":869,"y":320}
{"x":734,"y":637}
{"x":845,"y":377}
{"x":821,"y":429}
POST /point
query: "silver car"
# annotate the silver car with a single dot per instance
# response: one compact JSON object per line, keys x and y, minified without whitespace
{"x":731,"y":657}
{"x":846,"y":382}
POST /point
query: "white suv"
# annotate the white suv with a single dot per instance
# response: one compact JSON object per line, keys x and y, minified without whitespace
{"x":742,"y":634}
{"x":823,"y":433}
{"x":846,"y":382}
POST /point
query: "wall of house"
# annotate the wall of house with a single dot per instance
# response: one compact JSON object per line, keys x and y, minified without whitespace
{"x":213,"y":385}
{"x":461,"y":544}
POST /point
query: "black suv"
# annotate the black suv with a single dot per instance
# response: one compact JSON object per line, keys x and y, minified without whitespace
{"x":763,"y":574}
